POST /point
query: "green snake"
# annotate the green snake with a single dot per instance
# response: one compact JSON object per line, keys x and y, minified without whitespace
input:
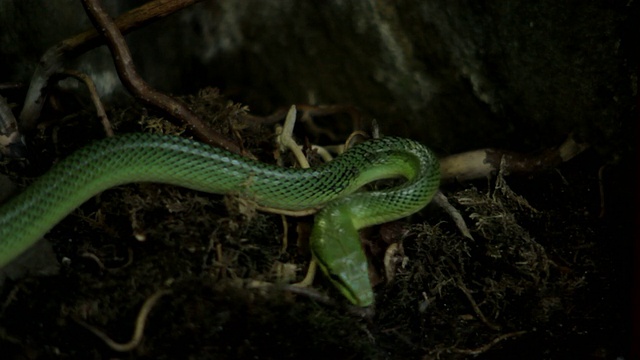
{"x":332,"y":187}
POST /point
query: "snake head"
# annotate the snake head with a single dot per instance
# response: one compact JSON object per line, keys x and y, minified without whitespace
{"x":350,"y":275}
{"x":335,"y":245}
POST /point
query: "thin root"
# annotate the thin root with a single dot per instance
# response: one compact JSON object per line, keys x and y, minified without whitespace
{"x":482,"y":349}
{"x":352,"y":136}
{"x":285,"y":234}
{"x":475,"y":306}
{"x":96,"y":259}
{"x":311,"y":274}
{"x":139,"y":325}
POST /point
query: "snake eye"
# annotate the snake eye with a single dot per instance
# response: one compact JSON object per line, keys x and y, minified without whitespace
{"x":341,"y":285}
{"x":335,"y":278}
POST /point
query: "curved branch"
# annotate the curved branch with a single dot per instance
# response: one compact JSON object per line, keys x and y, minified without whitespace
{"x":51,"y":62}
{"x":139,"y":88}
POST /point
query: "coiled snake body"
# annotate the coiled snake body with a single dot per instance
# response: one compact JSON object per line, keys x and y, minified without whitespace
{"x":173,"y":160}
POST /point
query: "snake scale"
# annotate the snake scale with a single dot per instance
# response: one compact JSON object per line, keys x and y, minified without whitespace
{"x":332,"y":187}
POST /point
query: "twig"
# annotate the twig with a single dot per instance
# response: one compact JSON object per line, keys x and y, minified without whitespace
{"x":482,"y":163}
{"x":286,"y":141}
{"x":443,"y":202}
{"x":143,"y":91}
{"x":12,"y":86}
{"x":11,"y":143}
{"x":52,"y":60}
{"x":95,"y":98}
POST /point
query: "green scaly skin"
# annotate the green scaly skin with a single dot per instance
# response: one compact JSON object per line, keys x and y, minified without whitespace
{"x":173,"y":160}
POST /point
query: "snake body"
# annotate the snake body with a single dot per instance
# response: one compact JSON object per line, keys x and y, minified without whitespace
{"x":334,"y":241}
